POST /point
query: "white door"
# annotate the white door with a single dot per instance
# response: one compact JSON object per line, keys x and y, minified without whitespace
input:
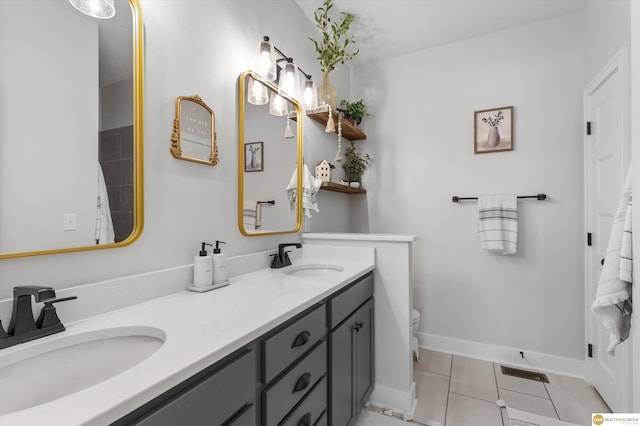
{"x":607,"y":157}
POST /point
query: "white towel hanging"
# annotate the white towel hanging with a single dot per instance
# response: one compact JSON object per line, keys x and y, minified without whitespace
{"x":612,"y":305}
{"x":310,"y":188}
{"x":104,"y":223}
{"x":498,"y":223}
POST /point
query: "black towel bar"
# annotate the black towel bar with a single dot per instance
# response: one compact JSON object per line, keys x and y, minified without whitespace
{"x":539,"y":197}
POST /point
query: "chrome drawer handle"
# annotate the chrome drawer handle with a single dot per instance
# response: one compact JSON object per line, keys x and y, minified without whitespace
{"x":301,"y":339}
{"x":302,"y":383}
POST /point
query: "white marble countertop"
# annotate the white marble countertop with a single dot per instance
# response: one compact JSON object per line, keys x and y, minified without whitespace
{"x":200,"y":329}
{"x":359,"y":236}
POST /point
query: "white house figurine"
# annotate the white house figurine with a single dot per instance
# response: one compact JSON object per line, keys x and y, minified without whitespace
{"x":323,"y":171}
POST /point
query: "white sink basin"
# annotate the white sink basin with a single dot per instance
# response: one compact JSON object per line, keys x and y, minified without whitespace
{"x":55,"y":368}
{"x":313,"y":270}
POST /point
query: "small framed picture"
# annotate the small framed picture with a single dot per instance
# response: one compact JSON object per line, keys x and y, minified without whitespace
{"x":254,"y":157}
{"x":493,"y":130}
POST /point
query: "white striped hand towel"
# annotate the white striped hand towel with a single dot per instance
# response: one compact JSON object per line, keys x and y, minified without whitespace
{"x":612,"y":305}
{"x":498,"y":223}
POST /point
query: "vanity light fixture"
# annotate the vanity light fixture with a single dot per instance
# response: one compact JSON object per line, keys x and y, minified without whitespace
{"x":101,"y":9}
{"x":278,"y":105}
{"x":309,"y":95}
{"x":285,"y":74}
{"x":258,"y":94}
{"x":289,"y":82}
{"x":266,"y":60}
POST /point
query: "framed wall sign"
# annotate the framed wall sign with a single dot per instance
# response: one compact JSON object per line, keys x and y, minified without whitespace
{"x":254,"y":157}
{"x":493,"y":130}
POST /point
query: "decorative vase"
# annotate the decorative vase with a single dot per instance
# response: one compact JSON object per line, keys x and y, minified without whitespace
{"x":327,"y":94}
{"x":494,"y":136}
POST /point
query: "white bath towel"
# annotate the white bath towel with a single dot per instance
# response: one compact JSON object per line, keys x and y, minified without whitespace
{"x":310,"y":189}
{"x":612,"y":305}
{"x":104,"y":223}
{"x":498,"y":223}
{"x":252,"y":215}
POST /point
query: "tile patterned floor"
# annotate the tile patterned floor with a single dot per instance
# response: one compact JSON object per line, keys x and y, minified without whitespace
{"x":458,"y":391}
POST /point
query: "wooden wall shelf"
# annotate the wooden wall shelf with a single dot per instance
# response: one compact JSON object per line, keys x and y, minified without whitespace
{"x":349,"y":131}
{"x":336,"y":187}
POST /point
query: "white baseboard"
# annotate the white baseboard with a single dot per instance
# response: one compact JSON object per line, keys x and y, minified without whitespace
{"x":401,"y":403}
{"x":501,"y":354}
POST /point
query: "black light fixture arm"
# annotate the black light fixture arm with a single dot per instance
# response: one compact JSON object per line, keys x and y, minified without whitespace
{"x":287,"y":58}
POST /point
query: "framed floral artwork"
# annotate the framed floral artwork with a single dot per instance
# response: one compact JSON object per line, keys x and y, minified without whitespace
{"x":254,"y":157}
{"x":493,"y":130}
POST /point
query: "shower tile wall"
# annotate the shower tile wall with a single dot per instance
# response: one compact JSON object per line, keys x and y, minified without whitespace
{"x":116,"y":159}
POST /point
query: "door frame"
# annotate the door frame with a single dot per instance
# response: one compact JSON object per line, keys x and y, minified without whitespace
{"x":619,"y":62}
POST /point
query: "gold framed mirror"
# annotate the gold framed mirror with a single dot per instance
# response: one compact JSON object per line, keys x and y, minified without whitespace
{"x":194,"y":131}
{"x":270,"y":160}
{"x":82,"y":143}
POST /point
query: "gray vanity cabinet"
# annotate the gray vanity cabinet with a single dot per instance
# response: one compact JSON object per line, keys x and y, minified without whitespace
{"x":293,"y":375}
{"x":351,"y":351}
{"x":223,"y":394}
{"x":295,"y":369}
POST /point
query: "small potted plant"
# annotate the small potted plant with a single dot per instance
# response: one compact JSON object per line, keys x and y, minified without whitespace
{"x":354,"y":165}
{"x":354,"y":111}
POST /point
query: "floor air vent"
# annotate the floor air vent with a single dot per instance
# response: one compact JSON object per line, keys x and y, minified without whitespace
{"x":524,"y":374}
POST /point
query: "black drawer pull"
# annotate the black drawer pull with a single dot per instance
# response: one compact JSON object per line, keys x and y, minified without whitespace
{"x":305,"y":420}
{"x":358,"y":326}
{"x":302,"y":383}
{"x":301,"y":339}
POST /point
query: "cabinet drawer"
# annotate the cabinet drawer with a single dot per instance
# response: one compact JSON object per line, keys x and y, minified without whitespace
{"x":246,"y":418}
{"x":323,"y":420}
{"x":312,"y":407}
{"x":342,"y":305}
{"x":287,"y":345}
{"x":211,"y":401}
{"x":282,"y":396}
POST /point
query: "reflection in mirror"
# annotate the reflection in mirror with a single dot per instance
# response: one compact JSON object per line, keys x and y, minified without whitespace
{"x":70,"y":128}
{"x":194,"y":131}
{"x":269,"y":152}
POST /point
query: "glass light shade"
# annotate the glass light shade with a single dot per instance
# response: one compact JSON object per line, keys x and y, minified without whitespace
{"x":101,"y":9}
{"x":257,"y":93}
{"x":309,"y":95}
{"x":289,"y":81}
{"x":265,"y":61}
{"x":278,"y":105}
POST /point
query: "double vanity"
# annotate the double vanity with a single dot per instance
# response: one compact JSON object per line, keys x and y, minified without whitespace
{"x":277,"y":346}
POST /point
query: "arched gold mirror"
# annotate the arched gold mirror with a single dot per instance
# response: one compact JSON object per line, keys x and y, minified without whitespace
{"x":194,"y":131}
{"x":269,"y":159}
{"x":71,"y":130}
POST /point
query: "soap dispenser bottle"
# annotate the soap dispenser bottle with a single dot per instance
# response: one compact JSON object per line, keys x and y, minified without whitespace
{"x":219,"y":266}
{"x":202,"y":270}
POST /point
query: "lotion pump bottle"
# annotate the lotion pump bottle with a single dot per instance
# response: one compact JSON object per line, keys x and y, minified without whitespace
{"x":203,"y":269}
{"x":219,"y":267}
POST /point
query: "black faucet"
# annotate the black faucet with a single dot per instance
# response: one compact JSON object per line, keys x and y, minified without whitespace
{"x":23,"y":327}
{"x":281,"y":259}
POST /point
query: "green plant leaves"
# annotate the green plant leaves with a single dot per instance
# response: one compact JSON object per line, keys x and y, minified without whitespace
{"x":332,"y":49}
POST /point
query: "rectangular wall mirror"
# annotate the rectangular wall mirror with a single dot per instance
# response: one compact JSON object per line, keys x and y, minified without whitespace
{"x":269,"y":152}
{"x":70,"y":128}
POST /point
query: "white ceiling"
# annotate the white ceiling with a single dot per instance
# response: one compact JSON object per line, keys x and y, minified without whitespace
{"x":386,"y":28}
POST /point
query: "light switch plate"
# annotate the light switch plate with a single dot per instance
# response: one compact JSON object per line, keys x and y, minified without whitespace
{"x":70,"y":222}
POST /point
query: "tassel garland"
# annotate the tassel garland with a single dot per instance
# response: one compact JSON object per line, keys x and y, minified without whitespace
{"x":331,"y":125}
{"x":338,"y":158}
